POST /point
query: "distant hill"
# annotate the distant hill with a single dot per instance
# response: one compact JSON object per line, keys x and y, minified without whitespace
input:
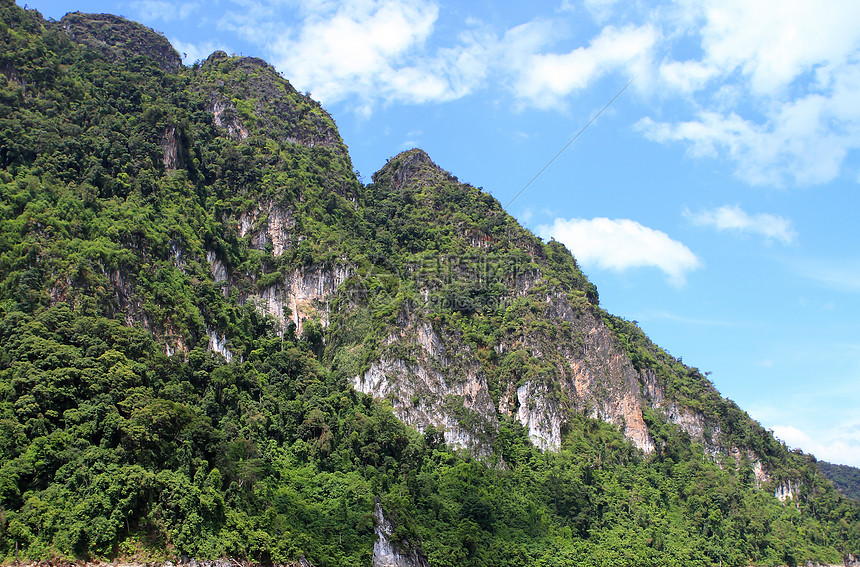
{"x":846,"y":479}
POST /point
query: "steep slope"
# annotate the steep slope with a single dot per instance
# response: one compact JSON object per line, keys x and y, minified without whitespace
{"x":196,"y":294}
{"x":846,"y":479}
{"x":119,"y":39}
{"x":483,"y":324}
{"x":485,"y":321}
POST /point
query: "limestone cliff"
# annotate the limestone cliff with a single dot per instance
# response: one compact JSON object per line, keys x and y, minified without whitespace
{"x":386,"y":553}
{"x":428,"y":289}
{"x":558,"y":355}
{"x":200,"y":302}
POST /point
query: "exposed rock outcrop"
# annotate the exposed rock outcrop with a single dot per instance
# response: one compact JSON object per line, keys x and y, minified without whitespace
{"x":218,"y":343}
{"x":785,"y":491}
{"x":302,"y":295}
{"x":700,"y":428}
{"x":268,"y":224}
{"x":225,"y":116}
{"x":432,"y":378}
{"x":707,"y":432}
{"x":170,"y":146}
{"x":217,"y":266}
{"x":439,"y":384}
{"x":388,"y":554}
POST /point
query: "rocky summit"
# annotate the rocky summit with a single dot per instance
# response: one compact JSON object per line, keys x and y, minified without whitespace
{"x":218,"y":346}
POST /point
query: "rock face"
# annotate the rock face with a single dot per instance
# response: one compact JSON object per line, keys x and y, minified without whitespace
{"x":218,"y":343}
{"x":268,"y":224}
{"x":385,"y":552}
{"x":120,"y":39}
{"x":225,"y":116}
{"x":302,"y":295}
{"x":441,"y":383}
{"x":785,"y":491}
{"x":216,"y":265}
{"x":696,"y":426}
{"x":558,"y":358}
{"x":170,"y":145}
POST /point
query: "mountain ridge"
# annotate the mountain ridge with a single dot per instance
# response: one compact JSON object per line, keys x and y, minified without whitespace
{"x":197,"y":293}
{"x":120,"y":39}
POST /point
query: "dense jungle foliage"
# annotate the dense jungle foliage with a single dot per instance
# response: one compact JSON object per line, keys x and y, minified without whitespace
{"x":846,"y":479}
{"x":111,"y":448}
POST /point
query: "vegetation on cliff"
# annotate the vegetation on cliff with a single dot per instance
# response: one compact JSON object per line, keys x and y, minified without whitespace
{"x":124,"y":263}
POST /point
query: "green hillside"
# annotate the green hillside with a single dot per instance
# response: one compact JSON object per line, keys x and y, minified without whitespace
{"x":846,"y":479}
{"x":155,"y":403}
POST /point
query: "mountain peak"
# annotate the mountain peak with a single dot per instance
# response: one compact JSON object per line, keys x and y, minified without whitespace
{"x":270,"y":105}
{"x":409,"y":167}
{"x":415,"y":154}
{"x":120,"y":39}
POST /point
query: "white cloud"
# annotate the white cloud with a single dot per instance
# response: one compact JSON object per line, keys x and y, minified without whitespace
{"x":600,"y":10}
{"x":356,"y":47}
{"x":804,"y":140}
{"x":374,"y":50}
{"x":772,"y":42}
{"x":686,"y":76}
{"x":381,"y":50}
{"x":735,"y":219}
{"x":772,"y":87}
{"x":544,"y":79}
{"x":622,"y":244}
{"x":839,"y":444}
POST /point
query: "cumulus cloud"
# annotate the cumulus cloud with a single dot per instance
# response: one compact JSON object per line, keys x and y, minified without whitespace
{"x":623,"y":244}
{"x":773,"y":42}
{"x":544,"y":79}
{"x":735,"y":219}
{"x":771,"y":87}
{"x":600,"y":10}
{"x":686,"y":76}
{"x":836,"y":444}
{"x":797,"y":143}
{"x":380,"y":51}
{"x":356,"y":45}
{"x":374,"y":50}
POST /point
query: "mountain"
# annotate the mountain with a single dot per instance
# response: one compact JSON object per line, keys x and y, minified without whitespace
{"x":215,"y":342}
{"x":846,"y":479}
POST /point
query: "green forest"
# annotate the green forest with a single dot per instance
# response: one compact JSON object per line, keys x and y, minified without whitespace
{"x":123,"y":435}
{"x":846,"y":479}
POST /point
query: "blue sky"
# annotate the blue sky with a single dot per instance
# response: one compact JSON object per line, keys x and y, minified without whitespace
{"x":714,"y":201}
